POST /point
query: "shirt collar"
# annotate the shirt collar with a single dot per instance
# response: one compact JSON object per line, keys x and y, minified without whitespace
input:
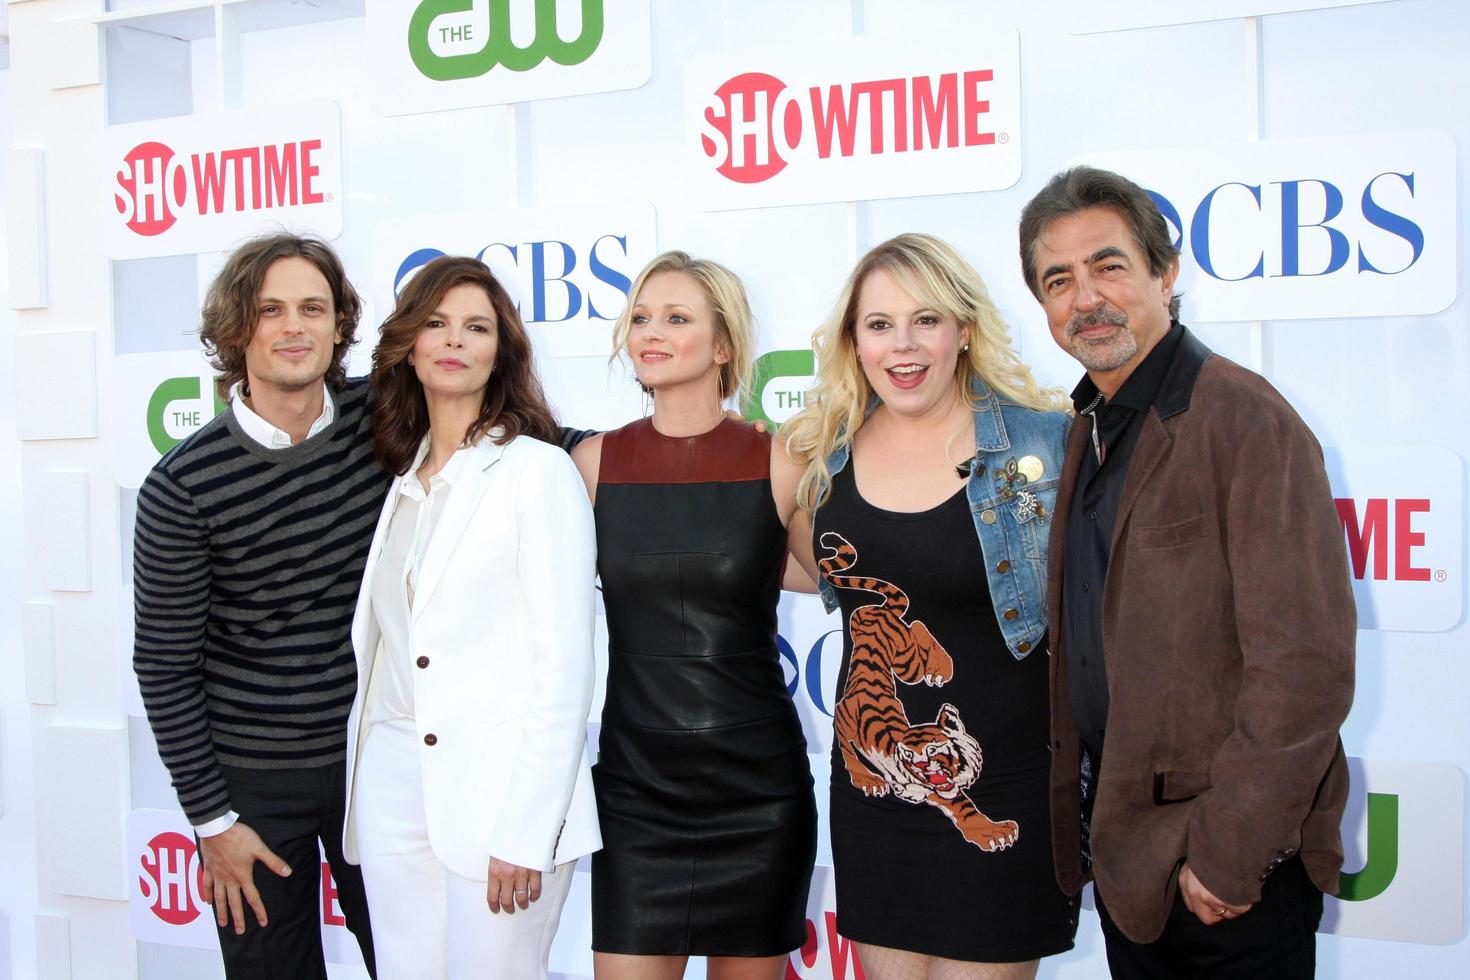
{"x":1142,"y":386}
{"x":409,"y":484}
{"x":267,"y":434}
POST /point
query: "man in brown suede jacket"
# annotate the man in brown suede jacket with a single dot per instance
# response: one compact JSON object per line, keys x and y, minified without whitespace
{"x":1201,"y":618}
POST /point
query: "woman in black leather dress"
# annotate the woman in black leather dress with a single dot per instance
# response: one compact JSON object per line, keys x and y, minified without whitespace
{"x":704,"y":788}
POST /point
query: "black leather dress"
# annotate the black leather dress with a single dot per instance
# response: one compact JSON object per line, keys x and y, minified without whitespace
{"x":704,"y":789}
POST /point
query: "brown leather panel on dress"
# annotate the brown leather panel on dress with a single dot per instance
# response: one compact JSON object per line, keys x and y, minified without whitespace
{"x":728,"y":453}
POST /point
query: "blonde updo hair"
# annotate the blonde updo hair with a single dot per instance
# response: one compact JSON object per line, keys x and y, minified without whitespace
{"x":734,"y":324}
{"x":935,"y":275}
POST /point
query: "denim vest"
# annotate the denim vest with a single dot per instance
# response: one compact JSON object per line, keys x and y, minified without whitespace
{"x":1011,"y":510}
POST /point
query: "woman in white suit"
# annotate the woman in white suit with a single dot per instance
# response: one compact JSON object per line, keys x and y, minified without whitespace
{"x":469,"y":796}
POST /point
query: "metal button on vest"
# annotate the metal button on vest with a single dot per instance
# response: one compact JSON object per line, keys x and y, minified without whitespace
{"x":1023,"y":646}
{"x":987,"y":516}
{"x":1010,"y":614}
{"x":431,"y":739}
{"x":422,"y":661}
{"x":1003,"y":565}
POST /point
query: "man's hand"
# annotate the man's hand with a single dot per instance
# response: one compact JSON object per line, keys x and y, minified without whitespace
{"x":229,"y":874}
{"x":1203,"y":903}
{"x":511,"y":885}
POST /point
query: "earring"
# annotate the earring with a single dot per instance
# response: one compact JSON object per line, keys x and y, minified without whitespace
{"x":964,"y":349}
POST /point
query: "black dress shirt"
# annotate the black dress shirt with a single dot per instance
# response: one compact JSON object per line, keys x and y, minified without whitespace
{"x":1115,"y":427}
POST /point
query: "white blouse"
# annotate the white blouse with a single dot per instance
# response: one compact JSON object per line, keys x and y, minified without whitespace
{"x":410,"y":529}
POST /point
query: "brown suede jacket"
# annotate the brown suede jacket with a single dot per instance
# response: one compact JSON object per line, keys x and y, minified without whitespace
{"x":1229,"y":630}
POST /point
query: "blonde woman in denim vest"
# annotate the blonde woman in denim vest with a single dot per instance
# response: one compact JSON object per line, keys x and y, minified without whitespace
{"x":932,"y":459}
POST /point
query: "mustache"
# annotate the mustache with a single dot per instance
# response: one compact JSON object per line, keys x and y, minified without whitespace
{"x":1102,"y":316}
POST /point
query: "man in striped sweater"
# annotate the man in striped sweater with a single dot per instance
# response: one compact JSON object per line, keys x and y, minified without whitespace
{"x":250,"y":545}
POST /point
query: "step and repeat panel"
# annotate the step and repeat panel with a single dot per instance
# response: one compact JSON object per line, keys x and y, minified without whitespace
{"x":567,"y":143}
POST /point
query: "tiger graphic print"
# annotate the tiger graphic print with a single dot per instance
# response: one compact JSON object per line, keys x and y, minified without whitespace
{"x":883,"y":753}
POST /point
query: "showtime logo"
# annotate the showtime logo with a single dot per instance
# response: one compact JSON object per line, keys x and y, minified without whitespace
{"x":166,"y":903}
{"x":154,"y":182}
{"x":1370,"y":534}
{"x":824,"y":954}
{"x":1400,"y":509}
{"x":172,"y":881}
{"x":854,"y":120}
{"x":203,"y":183}
{"x":172,"y":878}
{"x":754,"y":123}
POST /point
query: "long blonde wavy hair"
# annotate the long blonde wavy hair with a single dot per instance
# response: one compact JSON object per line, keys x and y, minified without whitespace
{"x":935,"y":275}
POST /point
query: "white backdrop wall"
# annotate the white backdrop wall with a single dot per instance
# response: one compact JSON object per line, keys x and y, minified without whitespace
{"x":101,"y":319}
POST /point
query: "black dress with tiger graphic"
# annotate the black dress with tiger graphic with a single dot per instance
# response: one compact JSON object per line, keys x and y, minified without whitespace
{"x":704,"y":786}
{"x":941,"y":841}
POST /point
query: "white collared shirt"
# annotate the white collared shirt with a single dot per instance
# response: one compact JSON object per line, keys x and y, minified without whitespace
{"x":268,"y":435}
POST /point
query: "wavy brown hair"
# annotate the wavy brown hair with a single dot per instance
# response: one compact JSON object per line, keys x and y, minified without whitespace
{"x":227,"y":321}
{"x":513,"y":399}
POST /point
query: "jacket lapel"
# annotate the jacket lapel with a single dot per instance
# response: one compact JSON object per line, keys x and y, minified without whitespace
{"x":469,"y":486}
{"x":1154,"y":442}
{"x":1077,"y":444}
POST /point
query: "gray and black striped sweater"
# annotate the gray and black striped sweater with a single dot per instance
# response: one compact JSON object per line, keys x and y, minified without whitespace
{"x":246,"y":566}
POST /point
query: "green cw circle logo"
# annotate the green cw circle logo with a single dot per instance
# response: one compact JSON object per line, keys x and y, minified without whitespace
{"x":1383,"y":852}
{"x":778,"y":386}
{"x":486,"y":23}
{"x":161,"y":413}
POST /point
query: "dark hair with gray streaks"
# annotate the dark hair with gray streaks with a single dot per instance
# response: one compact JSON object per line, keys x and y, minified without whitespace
{"x":1086,"y":187}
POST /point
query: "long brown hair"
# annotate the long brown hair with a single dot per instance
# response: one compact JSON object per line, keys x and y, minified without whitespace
{"x":513,"y":398}
{"x":227,"y":321}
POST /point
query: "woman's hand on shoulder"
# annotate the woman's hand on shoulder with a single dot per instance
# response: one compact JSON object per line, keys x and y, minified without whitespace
{"x":588,"y":456}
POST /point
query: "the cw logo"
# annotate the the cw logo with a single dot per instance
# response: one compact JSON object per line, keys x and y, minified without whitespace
{"x":490,"y":20}
{"x":778,"y":385}
{"x":170,"y":391}
{"x":1383,"y":852}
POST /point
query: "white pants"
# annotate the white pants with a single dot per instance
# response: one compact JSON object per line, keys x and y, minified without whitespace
{"x":429,"y":923}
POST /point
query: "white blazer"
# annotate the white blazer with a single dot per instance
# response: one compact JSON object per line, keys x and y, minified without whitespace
{"x":502,"y":611}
